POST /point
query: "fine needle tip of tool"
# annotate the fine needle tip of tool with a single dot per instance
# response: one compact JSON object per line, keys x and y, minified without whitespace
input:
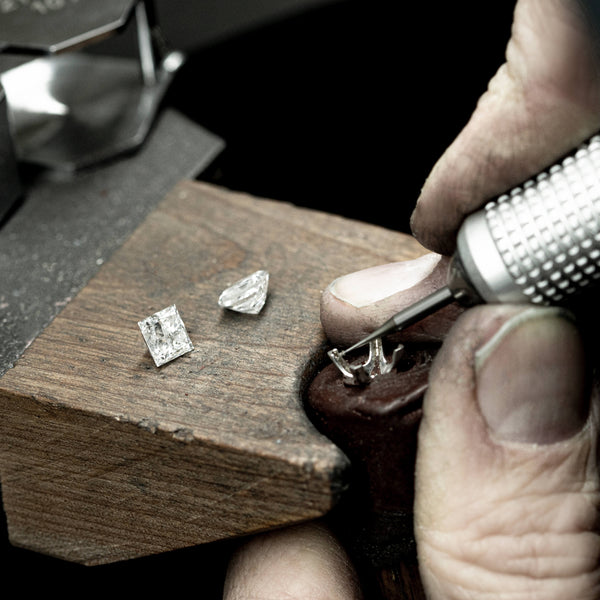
{"x":408,"y":316}
{"x":387,"y":327}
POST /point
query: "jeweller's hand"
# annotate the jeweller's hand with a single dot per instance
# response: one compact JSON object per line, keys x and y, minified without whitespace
{"x":507,"y":489}
{"x":507,"y":497}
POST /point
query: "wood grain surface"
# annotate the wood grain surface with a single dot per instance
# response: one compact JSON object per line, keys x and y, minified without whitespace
{"x":105,"y":457}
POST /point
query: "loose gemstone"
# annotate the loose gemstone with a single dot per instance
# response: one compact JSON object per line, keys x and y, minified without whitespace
{"x":165,"y":335}
{"x":248,"y":295}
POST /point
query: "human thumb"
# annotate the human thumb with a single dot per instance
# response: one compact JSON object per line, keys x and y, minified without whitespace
{"x":507,"y":491}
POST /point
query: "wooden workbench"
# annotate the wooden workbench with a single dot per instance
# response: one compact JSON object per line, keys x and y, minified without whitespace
{"x":105,"y":457}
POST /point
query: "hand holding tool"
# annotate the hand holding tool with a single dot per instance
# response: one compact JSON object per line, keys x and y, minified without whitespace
{"x":539,"y":244}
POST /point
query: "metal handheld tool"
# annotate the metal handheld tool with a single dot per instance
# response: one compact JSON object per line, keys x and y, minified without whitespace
{"x":538,"y":244}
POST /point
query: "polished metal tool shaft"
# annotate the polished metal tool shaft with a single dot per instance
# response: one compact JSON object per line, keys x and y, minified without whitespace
{"x":539,"y":244}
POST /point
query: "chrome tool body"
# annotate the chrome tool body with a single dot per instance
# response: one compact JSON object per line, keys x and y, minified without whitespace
{"x":539,"y":244}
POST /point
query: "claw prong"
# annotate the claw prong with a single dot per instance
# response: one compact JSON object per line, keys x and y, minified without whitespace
{"x":376,"y":363}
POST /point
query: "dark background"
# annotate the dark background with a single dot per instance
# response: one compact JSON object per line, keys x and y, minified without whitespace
{"x":345,"y":108}
{"x":341,"y":106}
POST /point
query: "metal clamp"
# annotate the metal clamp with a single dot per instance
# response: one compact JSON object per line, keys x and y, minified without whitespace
{"x":71,"y":110}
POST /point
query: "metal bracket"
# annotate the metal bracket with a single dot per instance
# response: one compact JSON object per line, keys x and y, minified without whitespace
{"x":72,"y":110}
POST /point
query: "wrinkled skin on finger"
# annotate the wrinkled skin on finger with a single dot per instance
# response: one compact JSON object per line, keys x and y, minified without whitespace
{"x":541,"y":103}
{"x":507,"y":474}
{"x":507,"y":490}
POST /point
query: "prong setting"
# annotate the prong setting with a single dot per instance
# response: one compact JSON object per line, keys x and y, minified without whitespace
{"x":362,"y":373}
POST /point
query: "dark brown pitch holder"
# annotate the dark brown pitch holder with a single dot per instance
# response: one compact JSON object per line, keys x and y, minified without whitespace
{"x":377,"y":426}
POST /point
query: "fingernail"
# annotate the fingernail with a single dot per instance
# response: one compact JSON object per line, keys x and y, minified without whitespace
{"x":368,"y":286}
{"x":531,"y":378}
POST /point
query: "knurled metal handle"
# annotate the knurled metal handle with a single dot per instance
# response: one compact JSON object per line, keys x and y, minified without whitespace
{"x":541,"y":242}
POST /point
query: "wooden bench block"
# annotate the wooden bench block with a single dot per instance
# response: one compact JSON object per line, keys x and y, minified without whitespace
{"x":105,"y":457}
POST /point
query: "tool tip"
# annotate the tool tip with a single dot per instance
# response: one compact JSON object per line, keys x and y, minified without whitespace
{"x":372,"y":336}
{"x":355,"y":346}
